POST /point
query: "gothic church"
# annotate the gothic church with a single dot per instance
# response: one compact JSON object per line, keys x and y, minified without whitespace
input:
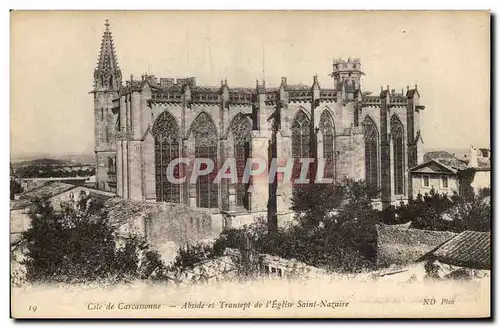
{"x":143,"y":124}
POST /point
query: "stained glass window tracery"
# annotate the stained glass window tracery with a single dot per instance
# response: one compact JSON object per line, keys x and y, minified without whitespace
{"x":205,"y":135}
{"x":300,"y":143}
{"x":241,"y":128}
{"x":371,"y":152}
{"x":166,"y":133}
{"x":327,"y":128}
{"x":397,"y":135}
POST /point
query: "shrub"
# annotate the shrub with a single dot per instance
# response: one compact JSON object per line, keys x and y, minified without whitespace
{"x":80,"y":245}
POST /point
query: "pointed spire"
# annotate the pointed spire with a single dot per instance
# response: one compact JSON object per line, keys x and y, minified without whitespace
{"x":107,"y":74}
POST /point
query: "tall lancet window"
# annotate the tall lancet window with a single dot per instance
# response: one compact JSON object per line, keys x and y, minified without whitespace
{"x":371,"y":152}
{"x":241,"y":128}
{"x":397,"y":136}
{"x":166,"y":133}
{"x":300,"y":143}
{"x":205,"y":136}
{"x":328,"y":131}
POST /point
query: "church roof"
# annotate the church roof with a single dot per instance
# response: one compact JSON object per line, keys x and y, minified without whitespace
{"x":299,"y":86}
{"x":205,"y":89}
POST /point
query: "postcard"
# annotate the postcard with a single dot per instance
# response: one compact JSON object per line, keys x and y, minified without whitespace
{"x":250,"y":164}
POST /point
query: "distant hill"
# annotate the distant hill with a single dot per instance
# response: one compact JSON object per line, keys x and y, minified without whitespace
{"x":54,"y":160}
{"x":40,"y":161}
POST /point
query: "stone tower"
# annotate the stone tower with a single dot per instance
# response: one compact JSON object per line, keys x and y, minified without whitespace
{"x":347,"y":78}
{"x":107,"y":81}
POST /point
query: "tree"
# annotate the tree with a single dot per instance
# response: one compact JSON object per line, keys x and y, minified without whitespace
{"x":474,"y":214}
{"x":316,"y":202}
{"x":79,"y":245}
{"x":335,"y":230}
{"x":425,"y":211}
{"x":440,"y":212}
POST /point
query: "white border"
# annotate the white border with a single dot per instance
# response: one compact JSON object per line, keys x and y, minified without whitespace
{"x":185,"y":4}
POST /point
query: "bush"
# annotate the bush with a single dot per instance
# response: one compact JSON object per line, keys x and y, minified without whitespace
{"x":335,"y":230}
{"x":80,"y":246}
{"x":439,"y":212}
{"x":189,"y":255}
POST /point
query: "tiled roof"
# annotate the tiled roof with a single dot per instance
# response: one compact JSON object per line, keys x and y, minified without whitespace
{"x":49,"y":189}
{"x":446,"y":159}
{"x":241,"y":90}
{"x":298,"y":87}
{"x":453,"y":163}
{"x":440,"y":154}
{"x":205,"y":89}
{"x":471,"y":249}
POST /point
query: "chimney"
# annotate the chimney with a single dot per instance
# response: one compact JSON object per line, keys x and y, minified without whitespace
{"x":473,"y":157}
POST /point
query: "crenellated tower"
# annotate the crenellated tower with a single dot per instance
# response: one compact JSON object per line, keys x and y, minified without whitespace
{"x":347,"y":78}
{"x":107,"y":82}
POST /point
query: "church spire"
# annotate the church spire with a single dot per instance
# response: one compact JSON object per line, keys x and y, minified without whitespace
{"x":107,"y":75}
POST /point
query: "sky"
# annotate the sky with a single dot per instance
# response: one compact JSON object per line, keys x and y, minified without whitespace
{"x":54,"y":53}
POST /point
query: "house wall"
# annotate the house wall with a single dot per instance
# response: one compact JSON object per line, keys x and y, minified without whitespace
{"x":482,"y":179}
{"x":19,"y":221}
{"x":434,"y":183}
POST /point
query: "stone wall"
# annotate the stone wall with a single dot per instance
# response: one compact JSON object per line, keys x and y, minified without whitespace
{"x":350,"y":155}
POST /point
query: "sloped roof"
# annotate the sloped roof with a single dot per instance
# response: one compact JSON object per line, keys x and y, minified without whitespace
{"x":205,"y":89}
{"x":436,"y":162}
{"x":447,"y":159}
{"x":471,"y":249}
{"x":49,"y":189}
{"x":439,"y":154}
{"x":399,"y":244}
{"x":299,"y":86}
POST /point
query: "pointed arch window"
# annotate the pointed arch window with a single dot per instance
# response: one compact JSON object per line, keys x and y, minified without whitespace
{"x":166,"y":134}
{"x":241,"y":128}
{"x":371,"y":152}
{"x":205,"y":136}
{"x":328,"y":131}
{"x":300,"y":143}
{"x":397,"y":135}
